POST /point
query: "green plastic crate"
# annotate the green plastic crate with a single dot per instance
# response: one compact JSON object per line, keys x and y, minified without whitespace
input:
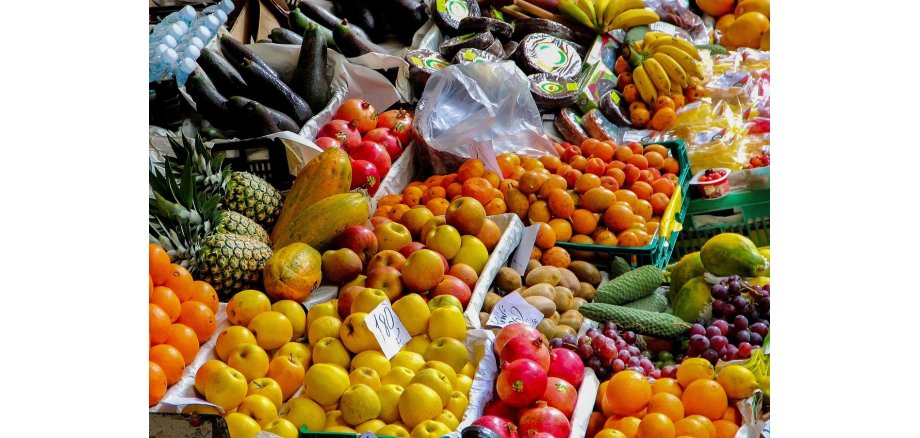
{"x":307,"y":433}
{"x":746,"y":213}
{"x":657,"y":252}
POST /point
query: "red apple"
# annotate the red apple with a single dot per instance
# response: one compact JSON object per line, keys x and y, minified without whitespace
{"x":387,"y":257}
{"x":346,"y":296}
{"x":328,"y":142}
{"x":376,"y":221}
{"x":365,"y":174}
{"x":464,"y":272}
{"x":386,"y":278}
{"x":450,"y":285}
{"x":423,"y":270}
{"x":385,"y":137}
{"x":373,"y":152}
{"x":410,"y":248}
{"x":359,"y":239}
{"x":342,"y":131}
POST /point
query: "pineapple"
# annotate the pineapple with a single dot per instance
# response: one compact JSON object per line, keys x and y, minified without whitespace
{"x":231,"y":222}
{"x":230,"y":262}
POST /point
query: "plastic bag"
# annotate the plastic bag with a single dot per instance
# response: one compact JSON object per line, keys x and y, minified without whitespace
{"x":672,"y":11}
{"x":475,"y":106}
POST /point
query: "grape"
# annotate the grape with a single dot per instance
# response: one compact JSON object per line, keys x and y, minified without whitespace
{"x":741,"y":323}
{"x":633,"y":350}
{"x":584,"y":340}
{"x":743,"y":336}
{"x":620,"y":344}
{"x":713,"y":331}
{"x":645,"y":363}
{"x":756,"y":339}
{"x":604,"y":373}
{"x":718,"y":307}
{"x":697,"y":329}
{"x":612,"y":334}
{"x":592,"y":333}
{"x":734,"y":288}
{"x":733,"y":350}
{"x":585,"y":351}
{"x":718,"y":342}
{"x":711,"y":355}
{"x":570,"y":340}
{"x":618,"y":365}
{"x":629,"y":336}
{"x":744,"y":350}
{"x":594,"y":363}
{"x":699,"y":343}
{"x":734,"y":277}
{"x":729,"y":311}
{"x":739,"y":302}
{"x":667,"y":370}
{"x":753,"y":315}
{"x":633,"y":361}
{"x":759,"y":328}
{"x":727,"y":356}
{"x":605,"y":349}
{"x":720,"y":292}
{"x":555,"y":343}
{"x":764,"y":304}
{"x":665,"y":356}
{"x":656,"y":374}
{"x":637,"y":369}
{"x":722,"y":325}
{"x":766,"y":287}
{"x":623,"y":355}
{"x":609,"y":325}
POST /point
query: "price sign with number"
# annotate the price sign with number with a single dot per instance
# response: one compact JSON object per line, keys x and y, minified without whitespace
{"x":512,"y":308}
{"x":390,"y":332}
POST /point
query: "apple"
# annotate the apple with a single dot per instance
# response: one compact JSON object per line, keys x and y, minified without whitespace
{"x":423,"y":270}
{"x":410,"y":248}
{"x":357,"y":281}
{"x":387,"y":257}
{"x":359,"y":239}
{"x":413,"y":312}
{"x":450,"y":285}
{"x":259,"y":408}
{"x":297,"y":350}
{"x":288,"y":372}
{"x":342,"y":131}
{"x":432,"y":223}
{"x":269,"y":388}
{"x":327,"y":142}
{"x":379,"y":220}
{"x":250,"y":360}
{"x":392,"y":235}
{"x":464,"y":272}
{"x":466,"y":215}
{"x":367,"y":300}
{"x":241,"y":425}
{"x":386,"y":278}
{"x":355,"y":334}
{"x":330,"y":350}
{"x":346,"y":296}
{"x":444,"y":301}
{"x":472,"y":252}
{"x":445,"y":240}
{"x":415,"y":219}
{"x":373,"y":152}
{"x":272,"y":330}
{"x":365,"y":174}
{"x":226,"y":388}
{"x":385,"y":137}
{"x":341,"y":265}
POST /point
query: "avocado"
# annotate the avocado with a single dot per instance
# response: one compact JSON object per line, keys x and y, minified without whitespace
{"x":551,"y":93}
{"x":309,"y":78}
{"x":449,"y":13}
{"x":280,"y":35}
{"x":481,"y":41}
{"x":219,"y":70}
{"x":404,"y":17}
{"x":258,"y":119}
{"x":544,"y":53}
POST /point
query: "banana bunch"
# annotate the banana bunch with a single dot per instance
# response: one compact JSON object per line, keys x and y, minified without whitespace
{"x":606,"y":15}
{"x":759,"y":365}
{"x":664,"y":64}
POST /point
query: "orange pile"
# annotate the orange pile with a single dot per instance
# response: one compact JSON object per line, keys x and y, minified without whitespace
{"x":628,"y":406}
{"x":181,"y":319}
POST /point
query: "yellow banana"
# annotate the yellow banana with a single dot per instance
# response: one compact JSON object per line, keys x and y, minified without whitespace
{"x":569,"y":9}
{"x":617,"y":7}
{"x":663,"y":39}
{"x":633,"y":18}
{"x":645,"y":86}
{"x":690,"y":66}
{"x":587,"y":6}
{"x":658,"y":76}
{"x":650,"y":38}
{"x":599,"y":7}
{"x":675,"y":72}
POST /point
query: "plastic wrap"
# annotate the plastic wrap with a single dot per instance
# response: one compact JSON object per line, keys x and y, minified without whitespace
{"x":676,"y":13}
{"x":476,"y":103}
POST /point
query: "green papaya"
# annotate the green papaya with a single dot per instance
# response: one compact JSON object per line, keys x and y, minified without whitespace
{"x":693,"y":300}
{"x":688,"y":267}
{"x":732,"y":254}
{"x":765,"y":252}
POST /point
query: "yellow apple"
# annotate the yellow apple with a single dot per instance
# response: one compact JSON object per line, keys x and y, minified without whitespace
{"x":302,"y":410}
{"x":393,"y":430}
{"x":341,"y":429}
{"x":469,"y":370}
{"x":464,"y":383}
{"x":374,"y":360}
{"x":359,"y":403}
{"x":447,"y":322}
{"x":283,"y":428}
{"x":445,"y":301}
{"x":329,"y":308}
{"x":355,"y":334}
{"x":250,"y":360}
{"x":334,"y":418}
{"x":386,"y":278}
{"x":473,"y":253}
{"x":226,"y":388}
{"x":204,"y":373}
{"x":448,"y":419}
{"x":365,"y":376}
{"x":429,"y":226}
{"x":259,"y":408}
{"x":408,"y":359}
{"x":429,"y":429}
{"x":325,"y":383}
{"x":272,"y":329}
{"x":413,"y":312}
{"x":444,"y":369}
{"x":415,"y":219}
{"x":435,"y":380}
{"x":423,"y":270}
{"x":392,"y":236}
{"x":449,"y":351}
{"x":400,"y":376}
{"x":325,"y":327}
{"x":357,"y":281}
{"x":457,"y":403}
{"x":367,"y":300}
{"x":230,"y":338}
{"x":389,"y":402}
{"x":295,"y":313}
{"x":331,"y":350}
{"x":341,"y":265}
{"x":419,"y":403}
{"x":371,"y":426}
{"x":444,"y":239}
{"x":288,"y":372}
{"x":268,"y":387}
{"x":418,"y":343}
{"x":465,"y":214}
{"x":245,"y":305}
{"x":296,"y":350}
{"x":240,"y":425}
{"x":389,"y":257}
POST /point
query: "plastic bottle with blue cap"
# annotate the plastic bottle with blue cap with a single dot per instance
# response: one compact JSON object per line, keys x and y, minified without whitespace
{"x":185,"y":68}
{"x":161,"y":65}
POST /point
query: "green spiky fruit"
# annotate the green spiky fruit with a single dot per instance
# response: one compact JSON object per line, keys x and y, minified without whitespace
{"x":659,"y":325}
{"x":631,"y":286}
{"x":231,"y":222}
{"x":230,"y":262}
{"x":252,"y":197}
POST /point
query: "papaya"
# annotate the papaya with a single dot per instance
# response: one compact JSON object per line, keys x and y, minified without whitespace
{"x":688,"y":267}
{"x":732,"y":254}
{"x":758,"y":281}
{"x":693,"y":300}
{"x":292,"y":273}
{"x":765,"y":252}
{"x":318,"y":224}
{"x":327,"y":174}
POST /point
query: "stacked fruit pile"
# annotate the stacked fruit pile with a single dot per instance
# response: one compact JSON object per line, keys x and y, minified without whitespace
{"x":743,"y":23}
{"x":606,"y":15}
{"x":537,"y":388}
{"x":336,"y":379}
{"x":181,"y":319}
{"x":384,"y":138}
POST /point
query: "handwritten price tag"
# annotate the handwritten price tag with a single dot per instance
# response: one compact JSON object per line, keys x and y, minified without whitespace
{"x":485,"y":153}
{"x":512,"y":308}
{"x":522,"y":254}
{"x":390,"y":332}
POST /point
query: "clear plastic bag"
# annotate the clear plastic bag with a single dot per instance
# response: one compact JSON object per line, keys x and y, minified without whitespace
{"x":672,"y":11}
{"x":472,"y":106}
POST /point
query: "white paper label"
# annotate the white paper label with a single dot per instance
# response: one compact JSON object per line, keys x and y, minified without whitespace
{"x":390,"y":332}
{"x":512,"y":308}
{"x":486,"y":153}
{"x":522,"y":254}
{"x":639,"y":136}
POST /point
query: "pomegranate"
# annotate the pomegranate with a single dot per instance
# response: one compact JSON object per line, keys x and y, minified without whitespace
{"x":499,"y":425}
{"x":385,"y":137}
{"x":359,"y":111}
{"x":521,"y":383}
{"x":524,"y":347}
{"x":514,"y":330}
{"x":561,"y":395}
{"x":365,"y":174}
{"x":399,"y":121}
{"x":545,"y":419}
{"x":566,"y":365}
{"x":501,"y":409}
{"x":328,"y":142}
{"x":373,"y":152}
{"x":342,"y":131}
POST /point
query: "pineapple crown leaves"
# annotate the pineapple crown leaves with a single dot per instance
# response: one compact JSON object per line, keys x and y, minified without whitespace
{"x":210,"y":173}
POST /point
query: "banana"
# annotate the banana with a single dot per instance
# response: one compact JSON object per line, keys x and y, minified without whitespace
{"x":645,"y":86}
{"x":658,"y":76}
{"x":690,"y":66}
{"x":617,"y":7}
{"x":587,"y":6}
{"x":662,"y":39}
{"x":651,"y":39}
{"x":675,"y":72}
{"x":569,"y":9}
{"x":634,"y":17}
{"x":599,"y":7}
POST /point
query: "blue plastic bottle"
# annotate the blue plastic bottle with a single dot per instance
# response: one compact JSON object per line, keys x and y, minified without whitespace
{"x":161,"y":66}
{"x":186,"y":67}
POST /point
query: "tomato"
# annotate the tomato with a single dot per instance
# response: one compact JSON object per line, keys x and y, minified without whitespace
{"x":360,"y":111}
{"x":399,"y":121}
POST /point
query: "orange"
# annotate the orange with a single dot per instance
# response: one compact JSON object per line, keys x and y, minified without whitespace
{"x":668,"y":385}
{"x":723,"y":23}
{"x":617,"y":174}
{"x":561,"y":204}
{"x":598,"y":199}
{"x":705,"y":422}
{"x":670,"y":166}
{"x":629,"y":238}
{"x":663,"y":185}
{"x":654,"y":159}
{"x":732,"y":414}
{"x":596,"y":166}
{"x":454,"y":189}
{"x":412,"y":196}
{"x":716,"y":8}
{"x":692,"y":427}
{"x":659,"y":203}
{"x":479,"y":189}
{"x":725,"y":429}
{"x":629,"y":426}
{"x":199,"y":317}
{"x":185,"y":340}
{"x":546,"y":237}
{"x":398,"y":211}
{"x":492,"y":178}
{"x":506,"y":185}
{"x":627,"y":196}
{"x":167,"y":300}
{"x":605,"y":237}
{"x":433,"y":192}
{"x":612,"y":421}
{"x":389,"y":200}
{"x":705,"y":397}
{"x":159,"y":264}
{"x":170,"y":360}
{"x":623,"y":153}
{"x":562,"y":228}
{"x":748,"y":29}
{"x":745,"y":6}
{"x":384,"y":211}
{"x":582,"y":239}
{"x":151,"y":285}
{"x":507,"y":163}
{"x":584,"y":222}
{"x":472,"y":168}
{"x":552,"y":182}
{"x":587,"y":182}
{"x":618,"y":217}
{"x":628,"y":392}
{"x":539,"y":212}
{"x":204,"y":373}
{"x":550,"y":162}
{"x":439,"y":206}
{"x":433,"y":180}
{"x":448,"y":180}
{"x":610,"y":433}
{"x":203,"y":292}
{"x":644,"y":210}
{"x":610,"y":183}
{"x":493,"y":207}
{"x":656,"y":425}
{"x":668,"y":404}
{"x":179,"y":280}
{"x":557,"y":257}
{"x":599,"y":397}
{"x":157,"y":383}
{"x":642,"y":189}
{"x":159,"y":325}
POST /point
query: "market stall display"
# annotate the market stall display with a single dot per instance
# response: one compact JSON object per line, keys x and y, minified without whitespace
{"x":493,"y":223}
